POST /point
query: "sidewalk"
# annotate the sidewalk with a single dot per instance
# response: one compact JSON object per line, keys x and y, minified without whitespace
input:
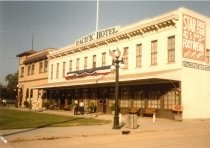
{"x":145,"y":124}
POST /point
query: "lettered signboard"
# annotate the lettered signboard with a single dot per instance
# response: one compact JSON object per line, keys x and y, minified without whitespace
{"x":193,"y":38}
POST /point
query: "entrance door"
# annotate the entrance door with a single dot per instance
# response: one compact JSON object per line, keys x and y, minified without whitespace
{"x":102,"y":105}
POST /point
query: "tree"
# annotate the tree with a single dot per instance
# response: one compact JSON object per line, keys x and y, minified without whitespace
{"x":12,"y":81}
{"x":3,"y":91}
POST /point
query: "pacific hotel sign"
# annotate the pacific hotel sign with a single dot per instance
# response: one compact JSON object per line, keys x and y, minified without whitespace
{"x":97,"y":35}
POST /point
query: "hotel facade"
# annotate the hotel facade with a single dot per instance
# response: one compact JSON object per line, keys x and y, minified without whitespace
{"x":166,"y":63}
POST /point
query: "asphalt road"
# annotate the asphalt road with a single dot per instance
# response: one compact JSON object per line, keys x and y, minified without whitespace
{"x":193,"y":137}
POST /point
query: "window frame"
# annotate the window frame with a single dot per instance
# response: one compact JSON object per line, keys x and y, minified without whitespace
{"x":154,"y":46}
{"x":94,"y":62}
{"x":139,"y":55}
{"x":64,"y":69}
{"x":103,"y":59}
{"x":171,"y":49}
{"x":125,"y":57}
{"x":57,"y":70}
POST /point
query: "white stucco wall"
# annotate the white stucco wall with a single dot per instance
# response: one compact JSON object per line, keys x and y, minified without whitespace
{"x":195,"y":84}
{"x":195,"y":93}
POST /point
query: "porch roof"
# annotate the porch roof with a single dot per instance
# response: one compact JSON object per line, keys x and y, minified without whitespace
{"x":166,"y":76}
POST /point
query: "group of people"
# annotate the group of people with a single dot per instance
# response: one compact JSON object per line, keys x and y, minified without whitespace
{"x":79,"y":107}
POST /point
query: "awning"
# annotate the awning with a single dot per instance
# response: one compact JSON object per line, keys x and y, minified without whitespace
{"x":151,"y":77}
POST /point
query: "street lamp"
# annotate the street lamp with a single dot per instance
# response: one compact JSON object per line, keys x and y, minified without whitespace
{"x":115,"y":65}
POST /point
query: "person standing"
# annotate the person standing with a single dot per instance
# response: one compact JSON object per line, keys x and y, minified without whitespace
{"x":4,"y":103}
{"x":75,"y":107}
{"x":81,"y":106}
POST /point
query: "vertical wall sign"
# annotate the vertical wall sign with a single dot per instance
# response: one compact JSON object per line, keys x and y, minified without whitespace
{"x":193,"y":38}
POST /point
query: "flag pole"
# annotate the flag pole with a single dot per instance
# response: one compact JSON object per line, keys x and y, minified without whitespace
{"x":97,"y":15}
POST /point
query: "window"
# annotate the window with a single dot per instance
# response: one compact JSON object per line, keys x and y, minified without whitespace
{"x":31,"y":93}
{"x":125,"y":57}
{"x":28,"y":70}
{"x":22,"y":72}
{"x":171,"y":98}
{"x":45,"y":66}
{"x":41,"y":68}
{"x":154,"y":52}
{"x":208,"y":56}
{"x":27,"y":94}
{"x":57,"y":71}
{"x":138,"y":55}
{"x":125,"y":97}
{"x":32,"y":69}
{"x":104,"y":59}
{"x":77,"y":65}
{"x":51,"y":75}
{"x":94,"y":61}
{"x":85,"y":62}
{"x":171,"y":49}
{"x":70,"y":65}
{"x":64,"y":69}
{"x":139,"y":99}
{"x":154,"y":99}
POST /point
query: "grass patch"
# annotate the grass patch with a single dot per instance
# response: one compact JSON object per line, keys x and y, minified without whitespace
{"x":14,"y":119}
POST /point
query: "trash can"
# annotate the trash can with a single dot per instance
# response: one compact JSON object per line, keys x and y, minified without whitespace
{"x":132,"y":120}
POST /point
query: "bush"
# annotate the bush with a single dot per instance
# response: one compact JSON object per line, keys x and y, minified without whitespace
{"x":27,"y":104}
{"x":45,"y":104}
{"x":112,"y":107}
{"x":92,"y":107}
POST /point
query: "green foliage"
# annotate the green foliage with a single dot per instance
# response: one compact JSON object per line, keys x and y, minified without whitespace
{"x":45,"y":104}
{"x":92,"y":107}
{"x":10,"y":90}
{"x":12,"y":81}
{"x":112,"y":107}
{"x":3,"y":92}
{"x":27,"y":104}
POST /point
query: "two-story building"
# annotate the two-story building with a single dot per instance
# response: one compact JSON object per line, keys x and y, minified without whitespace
{"x":33,"y":70}
{"x":166,"y":63}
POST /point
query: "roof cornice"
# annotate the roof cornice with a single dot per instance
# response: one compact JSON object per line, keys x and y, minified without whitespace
{"x":138,"y":29}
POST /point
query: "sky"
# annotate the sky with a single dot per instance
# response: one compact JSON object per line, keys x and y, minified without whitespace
{"x":56,"y":24}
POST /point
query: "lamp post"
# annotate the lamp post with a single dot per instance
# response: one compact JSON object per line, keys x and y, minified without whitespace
{"x":115,"y":63}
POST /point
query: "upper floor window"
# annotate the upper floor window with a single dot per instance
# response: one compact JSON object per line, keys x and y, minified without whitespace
{"x":103,"y":59}
{"x":85,"y":62}
{"x":171,"y":49}
{"x":45,"y":66}
{"x":154,"y":52}
{"x":57,"y":71}
{"x":28,"y":70}
{"x":41,"y":67}
{"x":22,"y":72}
{"x":51,"y":74}
{"x":138,"y":55}
{"x":94,"y":61}
{"x":125,"y":57}
{"x":32,"y":69}
{"x":77,"y":64}
{"x":64,"y":69}
{"x":70,"y":65}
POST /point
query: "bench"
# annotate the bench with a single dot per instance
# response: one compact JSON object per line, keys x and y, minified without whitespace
{"x":149,"y":111}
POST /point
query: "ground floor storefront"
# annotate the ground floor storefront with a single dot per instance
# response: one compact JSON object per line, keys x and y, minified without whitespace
{"x":158,"y":94}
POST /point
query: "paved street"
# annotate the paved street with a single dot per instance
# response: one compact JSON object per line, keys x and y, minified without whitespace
{"x":193,"y":138}
{"x":162,"y":133}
